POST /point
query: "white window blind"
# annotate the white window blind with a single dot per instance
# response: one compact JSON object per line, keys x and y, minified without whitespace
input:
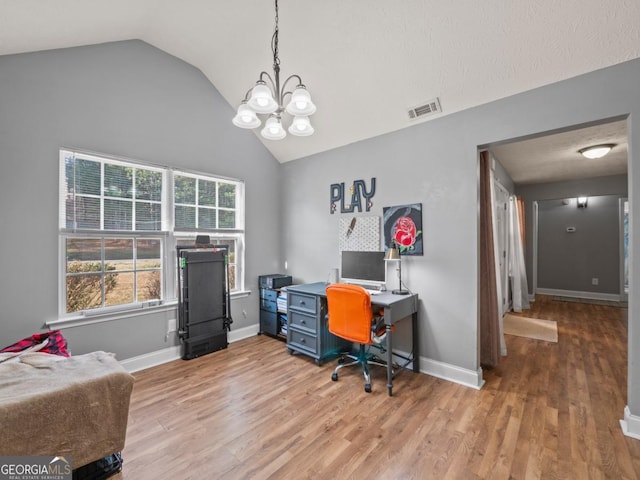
{"x":120,"y":221}
{"x":102,"y":194}
{"x":203,"y":204}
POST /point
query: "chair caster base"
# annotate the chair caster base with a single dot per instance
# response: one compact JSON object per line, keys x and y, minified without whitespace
{"x":334,"y":377}
{"x":367,"y":388}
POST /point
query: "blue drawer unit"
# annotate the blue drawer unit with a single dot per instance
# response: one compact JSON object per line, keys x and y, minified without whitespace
{"x":273,"y":319}
{"x":307,"y":331}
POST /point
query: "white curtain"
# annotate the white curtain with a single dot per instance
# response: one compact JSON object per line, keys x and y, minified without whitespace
{"x":496,"y":256}
{"x":517,"y":272}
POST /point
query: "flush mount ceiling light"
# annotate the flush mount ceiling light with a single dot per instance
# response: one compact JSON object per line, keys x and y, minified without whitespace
{"x":597,"y":151}
{"x":269,"y":99}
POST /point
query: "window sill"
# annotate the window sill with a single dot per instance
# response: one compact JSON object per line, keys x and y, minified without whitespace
{"x":90,"y":319}
{"x":93,"y":318}
{"x":241,"y":294}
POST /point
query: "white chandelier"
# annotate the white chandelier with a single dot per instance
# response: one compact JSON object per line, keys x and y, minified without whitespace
{"x":269,"y":99}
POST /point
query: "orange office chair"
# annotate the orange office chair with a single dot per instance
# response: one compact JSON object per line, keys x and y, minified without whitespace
{"x":351,"y":318}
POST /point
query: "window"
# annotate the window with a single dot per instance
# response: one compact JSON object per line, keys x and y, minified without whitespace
{"x":209,"y":206}
{"x":204,"y":204}
{"x":102,"y":195}
{"x":233,"y":247}
{"x":110,"y":271}
{"x":120,"y":220}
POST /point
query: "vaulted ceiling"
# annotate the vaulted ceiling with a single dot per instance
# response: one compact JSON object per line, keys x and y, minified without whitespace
{"x":365,"y":62}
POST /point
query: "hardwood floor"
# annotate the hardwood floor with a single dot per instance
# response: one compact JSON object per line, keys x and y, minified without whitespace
{"x":549,"y":410}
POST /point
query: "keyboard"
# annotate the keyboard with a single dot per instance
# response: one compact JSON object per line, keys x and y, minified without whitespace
{"x":372,"y":291}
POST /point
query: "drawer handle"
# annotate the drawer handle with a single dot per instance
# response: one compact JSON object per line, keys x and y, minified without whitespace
{"x":303,"y":322}
{"x":302,"y":302}
{"x":302,"y":340}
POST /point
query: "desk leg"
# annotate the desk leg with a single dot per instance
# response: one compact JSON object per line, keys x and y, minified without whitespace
{"x":389,"y":359}
{"x":415,"y":338}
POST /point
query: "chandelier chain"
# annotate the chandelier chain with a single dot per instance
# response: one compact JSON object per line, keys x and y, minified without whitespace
{"x":274,"y":42}
{"x":268,"y":97}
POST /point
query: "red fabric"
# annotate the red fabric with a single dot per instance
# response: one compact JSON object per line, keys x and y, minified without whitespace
{"x":57,"y":344}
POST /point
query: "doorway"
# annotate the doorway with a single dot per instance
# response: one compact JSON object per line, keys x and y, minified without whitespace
{"x":549,"y":166}
{"x":536,"y":164}
{"x":501,"y":198}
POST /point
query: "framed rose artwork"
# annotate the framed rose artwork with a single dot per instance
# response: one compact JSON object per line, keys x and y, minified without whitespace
{"x":403,"y":227}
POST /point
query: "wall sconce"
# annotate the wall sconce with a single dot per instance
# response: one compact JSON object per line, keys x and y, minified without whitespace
{"x":393,"y":254}
{"x":582,"y":202}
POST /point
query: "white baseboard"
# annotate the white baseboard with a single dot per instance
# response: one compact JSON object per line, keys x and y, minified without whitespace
{"x":445,"y":371}
{"x":242,"y":333}
{"x":611,"y":297}
{"x":630,"y":424}
{"x":152,"y":359}
{"x":452,"y":373}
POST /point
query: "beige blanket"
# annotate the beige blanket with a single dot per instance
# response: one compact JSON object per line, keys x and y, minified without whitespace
{"x":73,"y":407}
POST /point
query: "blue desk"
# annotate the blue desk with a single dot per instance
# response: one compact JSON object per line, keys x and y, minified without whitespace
{"x":396,"y":308}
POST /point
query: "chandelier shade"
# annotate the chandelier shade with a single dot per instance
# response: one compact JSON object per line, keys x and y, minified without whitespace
{"x":261,"y":100}
{"x":246,"y":118}
{"x":273,"y":129}
{"x":301,"y":127}
{"x":268,"y":97}
{"x":301,"y":103}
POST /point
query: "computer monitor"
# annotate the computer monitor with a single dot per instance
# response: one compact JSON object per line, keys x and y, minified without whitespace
{"x":363,"y":268}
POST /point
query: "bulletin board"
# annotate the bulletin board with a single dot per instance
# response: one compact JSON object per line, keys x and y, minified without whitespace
{"x":359,"y":233}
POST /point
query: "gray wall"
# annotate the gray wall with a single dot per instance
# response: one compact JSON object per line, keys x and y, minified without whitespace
{"x":615,"y":185}
{"x":126,"y":99}
{"x":436,"y":163}
{"x":570,"y":260}
{"x":132,"y":100}
{"x":411,"y":166}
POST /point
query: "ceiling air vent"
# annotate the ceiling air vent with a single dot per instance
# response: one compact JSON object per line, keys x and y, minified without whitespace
{"x":428,"y":108}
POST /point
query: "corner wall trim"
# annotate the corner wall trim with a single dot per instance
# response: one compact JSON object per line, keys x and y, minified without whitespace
{"x":630,"y":424}
{"x":152,"y":359}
